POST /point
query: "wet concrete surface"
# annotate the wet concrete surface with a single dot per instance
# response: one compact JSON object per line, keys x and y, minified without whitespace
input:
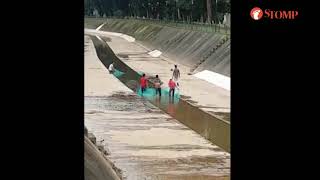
{"x":141,"y":140}
{"x":106,"y":39}
{"x":211,"y":127}
{"x":146,"y":143}
{"x":136,"y":56}
{"x":96,"y":166}
{"x":95,"y":68}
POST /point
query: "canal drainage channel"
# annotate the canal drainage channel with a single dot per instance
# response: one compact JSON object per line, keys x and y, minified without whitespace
{"x":212,"y":128}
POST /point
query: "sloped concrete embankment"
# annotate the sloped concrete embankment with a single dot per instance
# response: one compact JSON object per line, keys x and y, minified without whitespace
{"x":93,"y":23}
{"x":97,"y":166}
{"x":195,"y":49}
{"x":219,"y":61}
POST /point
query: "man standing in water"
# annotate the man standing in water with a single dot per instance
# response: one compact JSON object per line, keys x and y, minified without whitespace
{"x":157,"y":85}
{"x":176,"y":74}
{"x":143,"y":83}
{"x":172,"y":86}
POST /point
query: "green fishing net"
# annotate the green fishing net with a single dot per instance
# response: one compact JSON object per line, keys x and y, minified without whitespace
{"x":140,"y":73}
{"x":150,"y":92}
{"x":165,"y":91}
{"x":117,"y":73}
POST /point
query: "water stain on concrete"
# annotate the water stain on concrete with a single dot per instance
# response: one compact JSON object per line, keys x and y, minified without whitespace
{"x":106,"y":39}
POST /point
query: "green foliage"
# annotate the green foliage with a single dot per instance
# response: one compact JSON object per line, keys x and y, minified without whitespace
{"x":157,"y":9}
{"x":118,"y":13}
{"x":224,"y":6}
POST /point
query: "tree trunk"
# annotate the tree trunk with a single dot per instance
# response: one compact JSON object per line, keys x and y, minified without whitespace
{"x":179,"y":17}
{"x":216,"y":18}
{"x":209,"y":11}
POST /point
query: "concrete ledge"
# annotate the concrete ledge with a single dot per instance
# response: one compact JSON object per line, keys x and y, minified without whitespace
{"x":96,"y":166}
{"x":92,"y":138}
{"x":85,"y":131}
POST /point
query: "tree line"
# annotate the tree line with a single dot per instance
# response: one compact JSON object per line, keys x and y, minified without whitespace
{"x":210,"y":11}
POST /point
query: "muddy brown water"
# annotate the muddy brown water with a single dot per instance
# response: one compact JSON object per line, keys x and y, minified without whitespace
{"x":211,"y":127}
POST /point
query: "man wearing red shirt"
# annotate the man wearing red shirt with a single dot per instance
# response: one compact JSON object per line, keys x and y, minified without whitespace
{"x":172,"y":86}
{"x":143,"y":83}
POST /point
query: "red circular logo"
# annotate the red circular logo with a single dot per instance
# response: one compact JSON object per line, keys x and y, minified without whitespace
{"x":256,"y":13}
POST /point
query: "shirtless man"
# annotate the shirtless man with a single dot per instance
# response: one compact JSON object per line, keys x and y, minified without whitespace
{"x":176,"y":74}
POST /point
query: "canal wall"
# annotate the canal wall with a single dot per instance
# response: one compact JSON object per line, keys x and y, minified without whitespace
{"x":195,"y":49}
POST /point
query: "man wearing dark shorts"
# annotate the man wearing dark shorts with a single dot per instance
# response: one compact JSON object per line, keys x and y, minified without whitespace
{"x":172,"y":86}
{"x":143,"y":83}
{"x":157,"y":85}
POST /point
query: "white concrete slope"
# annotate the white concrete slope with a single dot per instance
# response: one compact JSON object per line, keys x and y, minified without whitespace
{"x":214,"y":78}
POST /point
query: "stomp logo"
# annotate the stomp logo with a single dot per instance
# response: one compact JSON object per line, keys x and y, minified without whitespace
{"x":257,"y":13}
